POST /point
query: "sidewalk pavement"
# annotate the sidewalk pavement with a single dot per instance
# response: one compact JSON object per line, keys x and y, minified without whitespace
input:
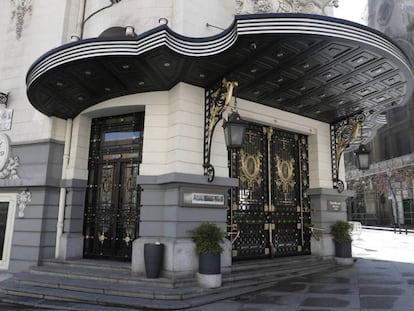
{"x":382,"y":278}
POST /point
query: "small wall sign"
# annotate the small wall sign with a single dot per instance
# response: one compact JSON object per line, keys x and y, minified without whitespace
{"x":334,"y":206}
{"x":204,"y":198}
{"x":193,"y":197}
{"x":6,"y":116}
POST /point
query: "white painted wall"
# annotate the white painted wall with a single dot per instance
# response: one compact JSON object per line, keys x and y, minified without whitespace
{"x":142,"y":14}
{"x":173,"y":139}
{"x":190,"y":17}
{"x":174,"y":131}
{"x":185,"y":17}
{"x":16,"y":56}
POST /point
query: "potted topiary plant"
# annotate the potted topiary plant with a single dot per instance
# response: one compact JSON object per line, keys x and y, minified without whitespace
{"x":207,"y":238}
{"x":341,"y":236}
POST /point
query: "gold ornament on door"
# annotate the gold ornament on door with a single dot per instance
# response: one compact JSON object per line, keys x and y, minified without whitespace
{"x":250,"y":166}
{"x":285,"y":172}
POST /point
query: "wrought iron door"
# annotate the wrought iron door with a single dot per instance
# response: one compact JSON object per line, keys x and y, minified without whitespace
{"x":269,"y":213}
{"x":113,"y":197}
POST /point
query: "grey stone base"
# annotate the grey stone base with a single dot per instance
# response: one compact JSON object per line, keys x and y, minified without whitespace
{"x":327,"y":207}
{"x":179,"y":256}
{"x":209,"y":280}
{"x":71,"y":246}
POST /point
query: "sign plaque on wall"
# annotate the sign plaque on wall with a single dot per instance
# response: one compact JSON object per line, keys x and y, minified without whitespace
{"x":334,"y":206}
{"x":204,"y":198}
{"x":6,"y":116}
{"x":193,"y":197}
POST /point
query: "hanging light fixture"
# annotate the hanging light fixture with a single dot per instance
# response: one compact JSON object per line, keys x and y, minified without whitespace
{"x":234,"y":129}
{"x":362,"y":156}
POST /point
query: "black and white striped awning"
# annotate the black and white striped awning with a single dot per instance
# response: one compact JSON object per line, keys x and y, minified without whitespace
{"x":315,"y":66}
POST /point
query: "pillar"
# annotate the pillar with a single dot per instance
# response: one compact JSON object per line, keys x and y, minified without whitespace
{"x":172,"y":205}
{"x":327,"y":207}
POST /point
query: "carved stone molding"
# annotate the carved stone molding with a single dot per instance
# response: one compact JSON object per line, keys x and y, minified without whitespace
{"x":23,"y":198}
{"x":8,"y":163}
{"x":284,"y":6}
{"x":21,"y":7}
{"x":10,"y":169}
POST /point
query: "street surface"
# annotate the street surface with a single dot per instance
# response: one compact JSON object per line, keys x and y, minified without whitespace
{"x":382,"y":278}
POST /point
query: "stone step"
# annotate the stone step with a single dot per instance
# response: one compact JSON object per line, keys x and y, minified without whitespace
{"x":89,"y":263}
{"x":106,"y":287}
{"x":120,"y":273}
{"x":272,"y":272}
{"x":50,"y":288}
{"x":153,"y":292}
{"x":122,"y":277}
{"x":243,"y":266}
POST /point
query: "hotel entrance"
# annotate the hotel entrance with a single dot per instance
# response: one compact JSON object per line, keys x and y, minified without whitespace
{"x":112,"y":204}
{"x":270,"y":210}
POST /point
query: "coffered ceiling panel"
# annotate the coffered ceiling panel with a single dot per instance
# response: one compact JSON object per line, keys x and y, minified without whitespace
{"x":315,"y":66}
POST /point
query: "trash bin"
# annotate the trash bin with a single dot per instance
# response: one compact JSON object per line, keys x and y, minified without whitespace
{"x":153,"y":258}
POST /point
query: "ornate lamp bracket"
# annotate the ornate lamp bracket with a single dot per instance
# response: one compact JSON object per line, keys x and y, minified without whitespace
{"x":217,"y":100}
{"x":343,"y":133}
{"x":4,"y":98}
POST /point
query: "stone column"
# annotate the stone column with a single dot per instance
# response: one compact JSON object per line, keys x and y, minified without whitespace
{"x":327,"y":206}
{"x":172,"y":205}
{"x":71,"y":241}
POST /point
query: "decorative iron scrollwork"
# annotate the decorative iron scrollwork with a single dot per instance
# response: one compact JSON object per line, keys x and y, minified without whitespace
{"x":217,"y":100}
{"x":270,"y":207}
{"x":343,"y":133}
{"x":4,"y":97}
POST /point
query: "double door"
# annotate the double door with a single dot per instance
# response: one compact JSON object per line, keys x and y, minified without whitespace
{"x":269,"y":212}
{"x":112,"y":200}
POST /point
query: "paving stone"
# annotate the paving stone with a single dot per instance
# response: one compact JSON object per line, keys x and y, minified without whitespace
{"x":381,"y":290}
{"x":288,"y":286}
{"x":380,"y":281}
{"x":407,"y":274}
{"x":329,"y":279}
{"x":376,"y":302}
{"x":332,"y":289}
{"x":323,"y":301}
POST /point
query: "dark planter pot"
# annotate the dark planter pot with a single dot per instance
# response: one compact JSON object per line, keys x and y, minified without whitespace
{"x":343,"y":250}
{"x":153,"y":257}
{"x":209,"y":263}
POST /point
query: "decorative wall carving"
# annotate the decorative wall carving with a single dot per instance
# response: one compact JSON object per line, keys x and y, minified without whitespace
{"x":10,"y":169}
{"x":284,"y":6}
{"x":21,"y":7}
{"x":8,"y":163}
{"x":23,"y":198}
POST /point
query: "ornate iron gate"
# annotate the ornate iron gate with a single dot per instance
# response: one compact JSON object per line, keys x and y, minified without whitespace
{"x":270,"y":211}
{"x":113,"y":197}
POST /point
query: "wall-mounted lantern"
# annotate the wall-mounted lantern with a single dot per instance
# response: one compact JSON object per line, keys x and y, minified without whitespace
{"x":216,"y":103}
{"x":234,"y":129}
{"x":362,"y":156}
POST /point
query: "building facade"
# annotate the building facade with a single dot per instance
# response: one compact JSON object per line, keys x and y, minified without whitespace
{"x":389,"y":200}
{"x":114,"y":139}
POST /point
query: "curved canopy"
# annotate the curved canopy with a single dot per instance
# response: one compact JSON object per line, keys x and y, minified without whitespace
{"x":319,"y":67}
